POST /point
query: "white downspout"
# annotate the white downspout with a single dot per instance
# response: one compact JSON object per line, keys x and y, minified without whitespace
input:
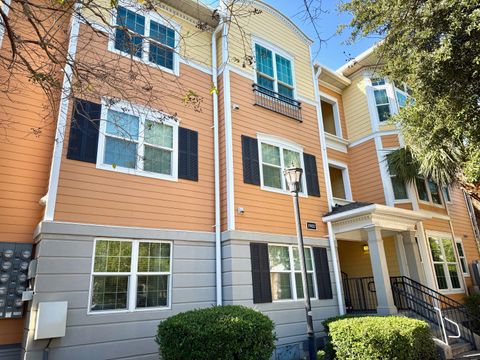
{"x":216,"y":149}
{"x":51,"y":196}
{"x":331,"y":236}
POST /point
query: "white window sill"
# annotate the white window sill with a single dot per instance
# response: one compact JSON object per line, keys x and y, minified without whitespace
{"x":339,"y":201}
{"x":452,"y":292}
{"x":336,"y":143}
{"x":136,"y":172}
{"x":126,"y":311}
{"x":281,"y":191}
{"x":440,"y":206}
{"x":175,"y":71}
{"x":402,"y":201}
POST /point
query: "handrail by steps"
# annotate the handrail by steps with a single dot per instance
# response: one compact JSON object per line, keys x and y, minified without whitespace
{"x":446,"y":314}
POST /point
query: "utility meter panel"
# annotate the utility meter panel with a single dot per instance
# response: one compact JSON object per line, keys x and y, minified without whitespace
{"x":14,"y":261}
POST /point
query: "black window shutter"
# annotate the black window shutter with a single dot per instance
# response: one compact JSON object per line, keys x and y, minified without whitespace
{"x":83,"y":139}
{"x":187,"y":154}
{"x":311,"y":174}
{"x":322,"y":270}
{"x":251,"y":171}
{"x":262,"y":292}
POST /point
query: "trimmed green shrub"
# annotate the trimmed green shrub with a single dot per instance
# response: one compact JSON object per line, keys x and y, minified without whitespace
{"x":472,"y":303}
{"x":376,"y":337}
{"x":219,"y":332}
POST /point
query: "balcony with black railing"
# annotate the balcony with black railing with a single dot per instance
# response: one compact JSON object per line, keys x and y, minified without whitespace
{"x":278,"y":103}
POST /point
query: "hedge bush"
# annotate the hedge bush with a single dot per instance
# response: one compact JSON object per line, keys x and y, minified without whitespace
{"x":220,"y":332}
{"x":376,"y":337}
{"x":472,"y":303}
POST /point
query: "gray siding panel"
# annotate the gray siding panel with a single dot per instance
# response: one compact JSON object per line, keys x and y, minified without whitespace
{"x":64,"y":273}
{"x":288,"y":316}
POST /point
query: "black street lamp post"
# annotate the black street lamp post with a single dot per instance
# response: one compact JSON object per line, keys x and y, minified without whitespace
{"x":293,"y":177}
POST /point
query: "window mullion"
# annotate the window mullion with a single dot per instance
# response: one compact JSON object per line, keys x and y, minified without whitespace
{"x":132,"y":284}
{"x":141,"y":143}
{"x":275,"y":75}
{"x":145,"y":40}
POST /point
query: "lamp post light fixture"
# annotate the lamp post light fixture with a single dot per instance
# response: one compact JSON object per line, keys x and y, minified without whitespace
{"x":293,"y":177}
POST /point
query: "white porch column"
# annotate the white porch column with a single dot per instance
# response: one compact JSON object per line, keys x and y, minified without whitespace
{"x":380,"y":272}
{"x":401,"y":256}
{"x":412,"y":256}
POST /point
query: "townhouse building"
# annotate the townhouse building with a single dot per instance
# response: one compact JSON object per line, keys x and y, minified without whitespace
{"x":153,"y":206}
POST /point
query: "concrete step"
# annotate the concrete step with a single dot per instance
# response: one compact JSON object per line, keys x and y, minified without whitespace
{"x":460,"y":347}
{"x":470,"y":355}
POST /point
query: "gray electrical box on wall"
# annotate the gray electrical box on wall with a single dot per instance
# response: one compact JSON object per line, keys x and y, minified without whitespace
{"x":51,"y":320}
{"x":14,"y":261}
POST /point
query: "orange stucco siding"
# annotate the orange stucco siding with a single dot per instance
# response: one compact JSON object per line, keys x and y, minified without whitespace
{"x":267,"y":211}
{"x":90,"y":195}
{"x":365,"y":177}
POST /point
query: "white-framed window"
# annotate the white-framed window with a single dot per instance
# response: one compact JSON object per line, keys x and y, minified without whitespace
{"x":446,"y":194}
{"x":275,"y":157}
{"x":137,"y":140}
{"x":339,"y":180}
{"x":130,"y":275}
{"x":274,"y":69}
{"x":428,"y":191}
{"x":330,"y":115}
{"x":399,"y":187}
{"x":462,"y":258}
{"x":285,"y":272}
{"x":446,"y":267}
{"x":145,"y":36}
{"x":381,"y":99}
{"x":404,"y":95}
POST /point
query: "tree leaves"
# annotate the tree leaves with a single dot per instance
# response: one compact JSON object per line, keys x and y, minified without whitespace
{"x":433,"y":46}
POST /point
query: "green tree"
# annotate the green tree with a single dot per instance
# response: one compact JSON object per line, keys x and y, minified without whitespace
{"x":434,"y":47}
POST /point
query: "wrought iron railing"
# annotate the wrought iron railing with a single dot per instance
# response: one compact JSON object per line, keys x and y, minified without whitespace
{"x":278,"y":103}
{"x":447,"y":317}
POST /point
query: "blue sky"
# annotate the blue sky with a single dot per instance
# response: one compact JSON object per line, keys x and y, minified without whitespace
{"x":334,"y":52}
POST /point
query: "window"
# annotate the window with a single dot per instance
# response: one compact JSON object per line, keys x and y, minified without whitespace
{"x":461,"y":257}
{"x":422,"y":189}
{"x":274,"y":71}
{"x":404,"y":95}
{"x":145,"y":37}
{"x":444,"y":263}
{"x":399,"y":188}
{"x":338,"y":182}
{"x":275,"y":158}
{"x":381,"y":98}
{"x":285,"y":273}
{"x":446,"y":194}
{"x":130,"y":275}
{"x":428,"y":191}
{"x":330,"y":117}
{"x":136,"y":140}
{"x":434,"y":192}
